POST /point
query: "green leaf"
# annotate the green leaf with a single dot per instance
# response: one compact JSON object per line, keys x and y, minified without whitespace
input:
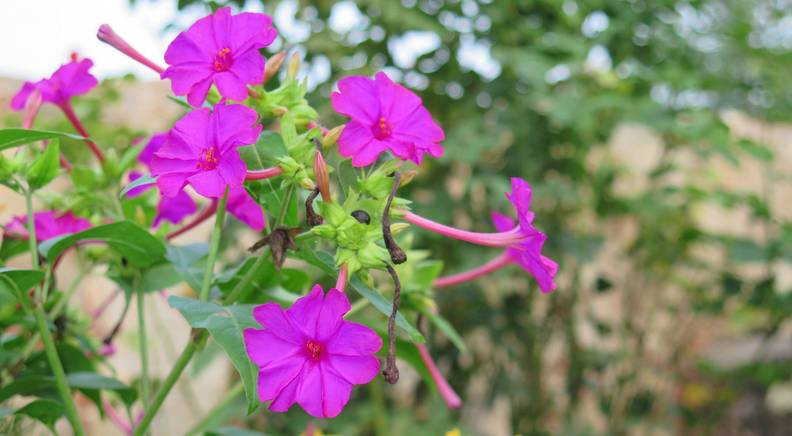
{"x":11,"y":247}
{"x":447,"y":330}
{"x":27,"y":385}
{"x":185,"y":258}
{"x":18,"y":281}
{"x":325,"y":262}
{"x":45,"y":166}
{"x":226,"y":325}
{"x":264,"y":153}
{"x":45,"y":411}
{"x":14,"y":137}
{"x":143,"y":180}
{"x":90,"y":380}
{"x":128,"y":239}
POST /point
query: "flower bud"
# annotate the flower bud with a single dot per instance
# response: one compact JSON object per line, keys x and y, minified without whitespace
{"x":325,"y":231}
{"x":373,"y":256}
{"x":273,"y":65}
{"x":307,"y":183}
{"x":321,"y":176}
{"x":332,"y":136}
{"x":280,"y":111}
{"x":398,"y":228}
{"x":294,"y":66}
{"x":408,"y":176}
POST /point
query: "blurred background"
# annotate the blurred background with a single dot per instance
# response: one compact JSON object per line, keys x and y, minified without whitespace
{"x":655,"y":135}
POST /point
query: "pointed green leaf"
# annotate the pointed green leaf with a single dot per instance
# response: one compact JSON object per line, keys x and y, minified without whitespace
{"x":10,"y":138}
{"x":128,"y":239}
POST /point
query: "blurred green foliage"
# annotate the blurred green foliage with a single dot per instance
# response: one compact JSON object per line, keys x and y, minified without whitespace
{"x":536,"y":89}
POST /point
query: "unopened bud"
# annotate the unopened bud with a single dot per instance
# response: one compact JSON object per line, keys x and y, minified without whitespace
{"x":308,"y":184}
{"x":294,"y":66}
{"x":280,"y":111}
{"x":31,"y":108}
{"x":321,"y":176}
{"x":107,"y":35}
{"x":408,"y":176}
{"x":273,"y":65}
{"x":398,"y":228}
{"x":332,"y":136}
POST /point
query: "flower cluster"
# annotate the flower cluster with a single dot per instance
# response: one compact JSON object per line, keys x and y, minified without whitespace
{"x":309,"y":353}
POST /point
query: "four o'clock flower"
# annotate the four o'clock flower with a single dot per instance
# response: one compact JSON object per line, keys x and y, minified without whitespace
{"x":308,"y":354}
{"x":523,"y":241}
{"x":48,"y":224}
{"x":70,"y":80}
{"x":222,"y":49}
{"x":385,"y":117}
{"x":201,"y":150}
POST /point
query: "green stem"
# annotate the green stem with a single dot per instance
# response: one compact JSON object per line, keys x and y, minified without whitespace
{"x":184,"y":358}
{"x":31,"y":225}
{"x":235,"y":293}
{"x":217,"y":410}
{"x":43,"y":330}
{"x":142,"y":342}
{"x":201,"y":337}
{"x":57,"y":370}
{"x":214,"y":247}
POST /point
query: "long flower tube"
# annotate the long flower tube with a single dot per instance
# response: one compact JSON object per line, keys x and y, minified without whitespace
{"x":343,"y":276}
{"x":32,"y":106}
{"x":493,"y":265}
{"x":107,"y":35}
{"x":266,"y":173}
{"x":67,"y":109}
{"x":502,"y":239}
{"x":450,"y":397}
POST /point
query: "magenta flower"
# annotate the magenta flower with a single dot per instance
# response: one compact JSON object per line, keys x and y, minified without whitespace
{"x":244,"y":208}
{"x":385,"y":116}
{"x":528,"y":254}
{"x":147,"y":154}
{"x":222,"y":49}
{"x":48,"y":224}
{"x":308,"y":354}
{"x":69,"y":80}
{"x":201,"y":150}
{"x":174,"y":209}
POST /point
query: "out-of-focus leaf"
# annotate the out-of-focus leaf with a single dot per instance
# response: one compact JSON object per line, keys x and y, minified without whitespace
{"x":133,"y":242}
{"x":14,"y":137}
{"x":45,"y":166}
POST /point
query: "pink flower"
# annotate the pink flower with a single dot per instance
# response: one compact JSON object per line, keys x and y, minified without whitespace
{"x":174,"y":209}
{"x":244,"y":208}
{"x":201,"y":150}
{"x":222,"y":49}
{"x":528,"y":254}
{"x":69,"y":80}
{"x":308,"y":354}
{"x":147,"y":154}
{"x":385,"y":116}
{"x":48,"y":224}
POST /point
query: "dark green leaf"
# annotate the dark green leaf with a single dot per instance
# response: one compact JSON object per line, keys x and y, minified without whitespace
{"x":133,"y":242}
{"x":447,"y":329}
{"x":45,"y":166}
{"x":14,"y":137}
{"x":45,"y":411}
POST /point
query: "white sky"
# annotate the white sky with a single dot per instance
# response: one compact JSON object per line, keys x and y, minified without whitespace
{"x":38,"y":35}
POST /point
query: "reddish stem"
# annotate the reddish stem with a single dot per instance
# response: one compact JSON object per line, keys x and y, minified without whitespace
{"x":67,"y":109}
{"x":203,"y":216}
{"x":455,"y":279}
{"x":450,"y":397}
{"x":266,"y":173}
{"x":117,"y":419}
{"x":343,"y":275}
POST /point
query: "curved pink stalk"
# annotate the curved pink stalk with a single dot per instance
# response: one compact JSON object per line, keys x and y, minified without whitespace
{"x":343,"y":275}
{"x":32,"y":107}
{"x":502,"y":239}
{"x":107,"y":35}
{"x":266,"y":173}
{"x":203,"y":216}
{"x":105,"y":304}
{"x":455,"y":279}
{"x":314,"y":125}
{"x":117,"y":419}
{"x":67,"y":109}
{"x":450,"y":397}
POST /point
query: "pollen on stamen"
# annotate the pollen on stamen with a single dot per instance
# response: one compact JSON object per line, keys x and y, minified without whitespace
{"x":382,"y":129}
{"x":314,"y":349}
{"x":208,"y":159}
{"x":222,"y":60}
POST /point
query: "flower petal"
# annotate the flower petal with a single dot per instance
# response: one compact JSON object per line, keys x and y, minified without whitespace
{"x":230,"y":86}
{"x":266,"y":348}
{"x":274,"y":378}
{"x":334,"y":307}
{"x":242,"y":206}
{"x":208,"y":183}
{"x":353,"y":339}
{"x":271,"y":316}
{"x":305,"y":311}
{"x":171,"y":184}
{"x":234,"y":125}
{"x":357,"y":99}
{"x":355,"y":369}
